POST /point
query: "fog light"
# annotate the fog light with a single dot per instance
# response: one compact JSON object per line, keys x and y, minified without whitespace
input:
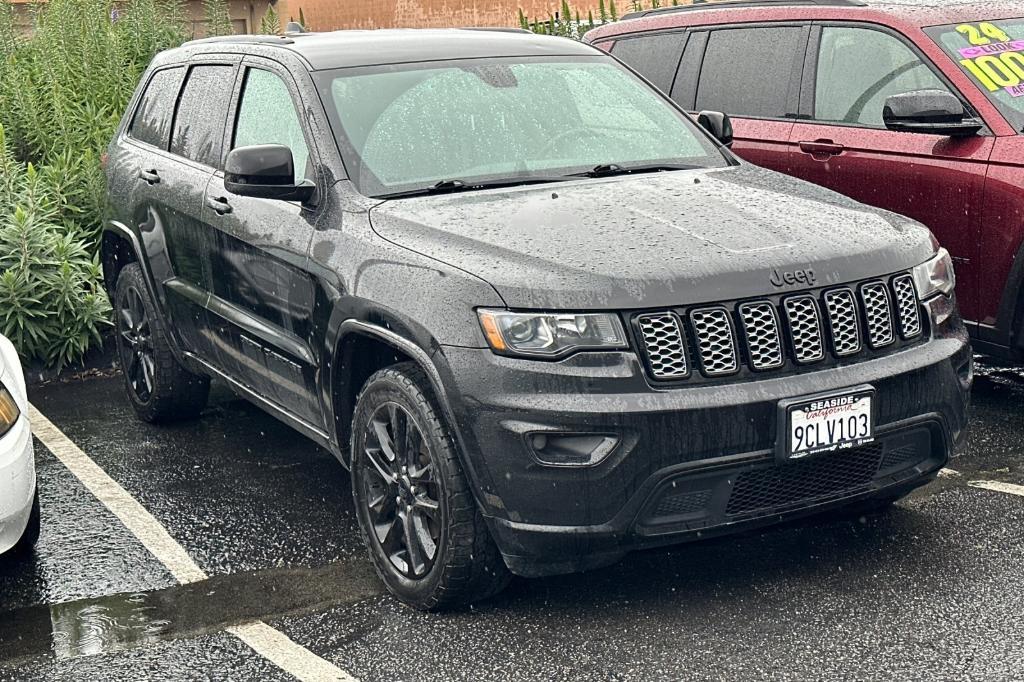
{"x":571,"y":449}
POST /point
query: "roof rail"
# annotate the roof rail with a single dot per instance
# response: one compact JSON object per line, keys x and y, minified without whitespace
{"x":240,"y":39}
{"x":704,"y":4}
{"x":499,"y":29}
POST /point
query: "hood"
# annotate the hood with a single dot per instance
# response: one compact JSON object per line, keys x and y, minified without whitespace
{"x":654,"y":240}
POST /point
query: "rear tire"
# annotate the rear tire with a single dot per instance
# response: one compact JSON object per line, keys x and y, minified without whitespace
{"x":427,"y":538}
{"x":159,"y":387}
{"x":29,"y":538}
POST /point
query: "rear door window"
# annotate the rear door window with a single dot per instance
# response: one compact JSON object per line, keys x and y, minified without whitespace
{"x":858,"y":69}
{"x":202,"y":112}
{"x":751,"y":72}
{"x":152,"y":121}
{"x":654,"y":56}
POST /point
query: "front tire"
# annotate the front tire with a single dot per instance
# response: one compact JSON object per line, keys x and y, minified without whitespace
{"x":418,"y":518}
{"x":159,"y":387}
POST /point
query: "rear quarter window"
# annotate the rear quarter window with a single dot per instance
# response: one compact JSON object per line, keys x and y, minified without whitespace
{"x":751,"y":71}
{"x":152,"y":121}
{"x":655,"y":57}
{"x":199,"y":122}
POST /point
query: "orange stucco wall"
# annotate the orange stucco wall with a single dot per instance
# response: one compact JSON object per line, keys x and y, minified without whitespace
{"x":325,"y":15}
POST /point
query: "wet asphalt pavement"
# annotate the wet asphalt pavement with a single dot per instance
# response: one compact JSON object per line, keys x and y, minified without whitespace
{"x":933,"y":589}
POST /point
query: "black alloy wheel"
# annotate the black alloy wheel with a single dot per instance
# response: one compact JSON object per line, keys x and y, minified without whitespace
{"x":401,"y":493}
{"x":426,"y":536}
{"x":159,"y":386}
{"x":136,"y":350}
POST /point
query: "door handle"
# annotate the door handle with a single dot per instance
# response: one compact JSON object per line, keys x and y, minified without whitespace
{"x":150,"y":175}
{"x":219,"y":205}
{"x":821,"y":148}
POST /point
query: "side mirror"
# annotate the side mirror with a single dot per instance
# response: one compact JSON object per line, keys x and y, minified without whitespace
{"x":718,"y":124}
{"x":265,"y":171}
{"x":934,"y":112}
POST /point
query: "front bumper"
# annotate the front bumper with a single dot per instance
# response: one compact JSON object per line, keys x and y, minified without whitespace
{"x":17,"y":483}
{"x":690,"y":461}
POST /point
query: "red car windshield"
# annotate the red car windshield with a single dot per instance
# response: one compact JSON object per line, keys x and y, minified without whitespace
{"x":991,"y":53}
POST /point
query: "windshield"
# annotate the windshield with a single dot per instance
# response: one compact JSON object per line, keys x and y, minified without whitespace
{"x":406,"y":127}
{"x":991,"y":53}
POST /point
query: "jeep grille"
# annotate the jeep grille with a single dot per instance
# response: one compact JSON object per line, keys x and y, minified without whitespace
{"x":663,"y":338}
{"x":824,"y":325}
{"x":716,"y":343}
{"x":906,"y":304}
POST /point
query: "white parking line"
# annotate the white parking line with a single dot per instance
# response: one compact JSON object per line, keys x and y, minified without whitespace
{"x":999,"y":487}
{"x":272,"y":644}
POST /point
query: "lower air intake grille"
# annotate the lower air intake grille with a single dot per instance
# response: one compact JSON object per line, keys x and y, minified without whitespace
{"x":906,"y":304}
{"x":715,"y":340}
{"x":804,"y":480}
{"x":683,"y":503}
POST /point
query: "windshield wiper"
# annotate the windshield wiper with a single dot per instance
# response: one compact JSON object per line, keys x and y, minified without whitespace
{"x":605,"y":169}
{"x":451,"y":186}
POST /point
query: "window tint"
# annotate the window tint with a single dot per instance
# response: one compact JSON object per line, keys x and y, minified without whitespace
{"x":202,"y":110}
{"x":152,"y":121}
{"x":655,"y":57}
{"x":267,"y":116}
{"x":749,"y":71}
{"x":858,"y":68}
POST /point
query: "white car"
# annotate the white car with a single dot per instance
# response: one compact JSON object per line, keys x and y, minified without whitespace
{"x":19,"y":500}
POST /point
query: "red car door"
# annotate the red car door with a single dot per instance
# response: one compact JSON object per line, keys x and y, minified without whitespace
{"x":844,"y":145}
{"x":751,"y":73}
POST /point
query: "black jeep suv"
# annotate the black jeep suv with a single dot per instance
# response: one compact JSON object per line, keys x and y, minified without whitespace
{"x":542,"y":315}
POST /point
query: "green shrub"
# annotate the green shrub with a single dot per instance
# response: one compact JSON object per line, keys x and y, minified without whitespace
{"x":52,"y":304}
{"x":64,"y":89}
{"x":270,"y":24}
{"x":66,"y":86}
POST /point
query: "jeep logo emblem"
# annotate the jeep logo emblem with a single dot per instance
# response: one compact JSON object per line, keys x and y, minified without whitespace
{"x":790,"y":277}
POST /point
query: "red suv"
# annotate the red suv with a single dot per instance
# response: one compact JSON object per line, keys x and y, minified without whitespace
{"x":917,"y":108}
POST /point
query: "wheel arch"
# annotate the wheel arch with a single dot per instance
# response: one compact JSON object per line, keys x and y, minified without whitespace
{"x":1009,"y":330}
{"x":119,"y":246}
{"x":359,"y":349}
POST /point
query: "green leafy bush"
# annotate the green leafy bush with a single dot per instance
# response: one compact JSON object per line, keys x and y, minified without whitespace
{"x":52,"y":304}
{"x":65,"y":87}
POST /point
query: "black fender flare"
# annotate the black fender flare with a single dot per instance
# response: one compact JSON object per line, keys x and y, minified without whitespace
{"x":341,"y":327}
{"x":123,"y":233}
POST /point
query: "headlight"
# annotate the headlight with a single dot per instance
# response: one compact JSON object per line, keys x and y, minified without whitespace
{"x":550,"y":335}
{"x":9,"y":411}
{"x":935,"y":276}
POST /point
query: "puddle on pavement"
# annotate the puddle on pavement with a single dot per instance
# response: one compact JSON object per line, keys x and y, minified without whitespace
{"x":121,"y":621}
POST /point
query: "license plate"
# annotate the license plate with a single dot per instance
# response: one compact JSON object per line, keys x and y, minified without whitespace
{"x":828,"y":422}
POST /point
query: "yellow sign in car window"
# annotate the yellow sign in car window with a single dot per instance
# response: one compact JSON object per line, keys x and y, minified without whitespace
{"x":993,"y":57}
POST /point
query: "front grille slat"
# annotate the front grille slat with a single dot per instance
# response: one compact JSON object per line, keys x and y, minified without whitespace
{"x":878,"y":312}
{"x":842,"y":321}
{"x":761,"y":326}
{"x":715,"y":340}
{"x":839,"y":322}
{"x":805,"y":328}
{"x":663,"y":338}
{"x":906,"y":305}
